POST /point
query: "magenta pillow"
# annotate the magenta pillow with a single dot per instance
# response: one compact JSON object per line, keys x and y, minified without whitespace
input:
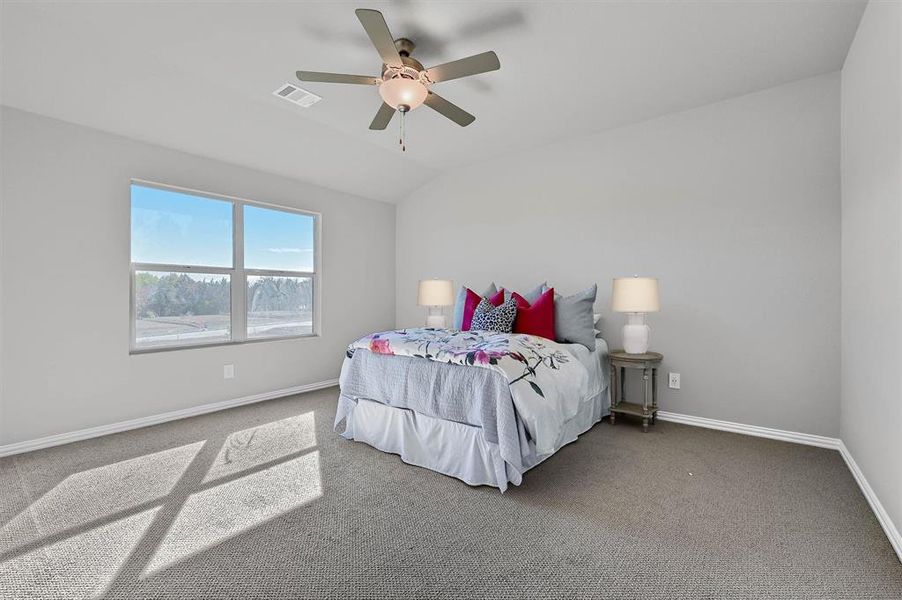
{"x":536,"y":318}
{"x":472,"y":302}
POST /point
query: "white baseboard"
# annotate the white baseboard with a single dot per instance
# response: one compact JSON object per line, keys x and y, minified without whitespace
{"x":92,"y":432}
{"x":895,"y":538}
{"x":765,"y":432}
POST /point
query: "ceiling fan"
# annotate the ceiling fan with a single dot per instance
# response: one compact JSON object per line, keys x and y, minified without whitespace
{"x":404,"y":82}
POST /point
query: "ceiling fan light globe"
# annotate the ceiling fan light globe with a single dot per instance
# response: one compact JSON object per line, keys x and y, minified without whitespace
{"x":402,"y":91}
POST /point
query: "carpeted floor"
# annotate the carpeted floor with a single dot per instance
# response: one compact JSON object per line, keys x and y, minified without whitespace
{"x":265,"y":501}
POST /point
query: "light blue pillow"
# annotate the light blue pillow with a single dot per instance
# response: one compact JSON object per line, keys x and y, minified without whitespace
{"x":530,"y":296}
{"x":461,"y":300}
{"x":574,"y":319}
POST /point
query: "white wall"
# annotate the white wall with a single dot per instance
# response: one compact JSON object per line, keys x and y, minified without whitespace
{"x":872,"y":252}
{"x":734,"y":206}
{"x":65,"y":272}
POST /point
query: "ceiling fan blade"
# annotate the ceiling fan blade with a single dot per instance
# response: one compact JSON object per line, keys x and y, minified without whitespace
{"x":445,"y":108}
{"x":472,"y":65}
{"x":383,"y":117}
{"x":337,"y":78}
{"x":374,"y":24}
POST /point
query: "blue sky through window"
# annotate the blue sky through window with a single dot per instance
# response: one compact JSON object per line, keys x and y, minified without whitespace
{"x":180,"y":229}
{"x":171,"y":227}
{"x":278,"y":240}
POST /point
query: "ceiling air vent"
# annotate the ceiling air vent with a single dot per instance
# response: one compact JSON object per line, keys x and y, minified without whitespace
{"x":296,"y":95}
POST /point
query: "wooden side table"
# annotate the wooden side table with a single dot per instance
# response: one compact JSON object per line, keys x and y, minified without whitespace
{"x":648,"y":363}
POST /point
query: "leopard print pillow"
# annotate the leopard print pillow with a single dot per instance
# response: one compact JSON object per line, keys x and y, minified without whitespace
{"x":491,"y":318}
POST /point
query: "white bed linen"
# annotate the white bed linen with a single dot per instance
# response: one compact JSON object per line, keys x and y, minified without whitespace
{"x":451,"y":448}
{"x":542,"y":380}
{"x":595,"y":361}
{"x":460,"y":450}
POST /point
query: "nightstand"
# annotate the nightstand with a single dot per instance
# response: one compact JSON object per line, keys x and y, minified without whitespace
{"x":648,"y":363}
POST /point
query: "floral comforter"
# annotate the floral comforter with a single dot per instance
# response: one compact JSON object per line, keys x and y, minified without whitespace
{"x":546,"y":382}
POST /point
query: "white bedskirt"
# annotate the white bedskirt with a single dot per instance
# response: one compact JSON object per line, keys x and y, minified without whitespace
{"x":452,"y":448}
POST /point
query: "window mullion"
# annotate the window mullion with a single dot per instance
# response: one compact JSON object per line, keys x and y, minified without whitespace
{"x":277,"y":273}
{"x":160,"y":267}
{"x":239,"y":280}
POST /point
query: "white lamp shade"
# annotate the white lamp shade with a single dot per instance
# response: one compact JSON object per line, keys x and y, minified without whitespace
{"x":435,"y":292}
{"x":635,"y":294}
{"x":401,"y":90}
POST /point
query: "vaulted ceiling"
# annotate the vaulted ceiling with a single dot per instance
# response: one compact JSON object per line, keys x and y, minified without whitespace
{"x":198,"y":76}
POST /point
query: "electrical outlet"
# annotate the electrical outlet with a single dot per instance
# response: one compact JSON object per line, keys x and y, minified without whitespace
{"x":674,"y":381}
{"x":228,"y":372}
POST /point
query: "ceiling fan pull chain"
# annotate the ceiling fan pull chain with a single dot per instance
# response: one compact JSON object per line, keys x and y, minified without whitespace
{"x":401,"y":140}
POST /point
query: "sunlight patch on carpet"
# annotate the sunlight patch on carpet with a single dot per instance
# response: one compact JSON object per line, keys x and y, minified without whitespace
{"x":101,"y":492}
{"x":261,"y":444}
{"x":214,"y":515}
{"x":81,"y":566}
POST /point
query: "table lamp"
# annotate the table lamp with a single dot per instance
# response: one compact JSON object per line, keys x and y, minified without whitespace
{"x":434,"y":294}
{"x":635,"y":296}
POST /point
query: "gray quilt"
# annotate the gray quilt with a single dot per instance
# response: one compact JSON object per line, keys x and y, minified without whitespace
{"x":479,"y":397}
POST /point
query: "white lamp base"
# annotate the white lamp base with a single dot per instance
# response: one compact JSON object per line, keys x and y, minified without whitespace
{"x":635,"y":334}
{"x":435,"y":318}
{"x":436,"y":321}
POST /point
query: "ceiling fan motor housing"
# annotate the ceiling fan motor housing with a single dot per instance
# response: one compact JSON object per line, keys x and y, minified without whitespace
{"x":410,"y":68}
{"x":407,"y":72}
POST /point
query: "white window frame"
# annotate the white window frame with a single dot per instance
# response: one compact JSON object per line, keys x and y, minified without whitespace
{"x":237,"y":273}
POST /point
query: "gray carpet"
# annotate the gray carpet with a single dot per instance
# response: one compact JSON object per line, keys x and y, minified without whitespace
{"x":265,"y":501}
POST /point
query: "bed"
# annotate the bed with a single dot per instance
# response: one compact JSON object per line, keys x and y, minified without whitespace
{"x":481,"y":406}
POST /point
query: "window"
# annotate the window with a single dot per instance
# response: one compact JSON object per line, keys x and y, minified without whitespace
{"x":210,"y":269}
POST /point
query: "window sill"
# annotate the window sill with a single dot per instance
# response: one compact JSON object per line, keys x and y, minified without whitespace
{"x":134,"y":351}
